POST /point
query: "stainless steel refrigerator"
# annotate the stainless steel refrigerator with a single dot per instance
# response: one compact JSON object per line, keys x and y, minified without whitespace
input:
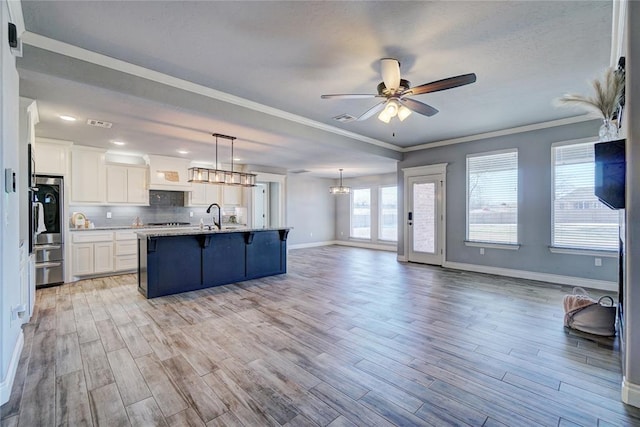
{"x":48,"y":230}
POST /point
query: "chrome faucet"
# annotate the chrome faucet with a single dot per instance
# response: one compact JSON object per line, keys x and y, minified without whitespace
{"x":217,"y":224}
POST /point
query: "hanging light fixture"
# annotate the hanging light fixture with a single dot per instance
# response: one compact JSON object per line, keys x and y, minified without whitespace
{"x":222,"y":176}
{"x":339,"y":189}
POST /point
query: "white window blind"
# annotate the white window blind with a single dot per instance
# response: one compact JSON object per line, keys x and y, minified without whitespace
{"x":580,"y":220}
{"x":492,"y":197}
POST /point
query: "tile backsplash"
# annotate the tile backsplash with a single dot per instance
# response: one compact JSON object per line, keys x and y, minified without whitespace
{"x":125,"y":215}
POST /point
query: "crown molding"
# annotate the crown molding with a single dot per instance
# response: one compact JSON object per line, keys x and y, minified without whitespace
{"x":503,"y":132}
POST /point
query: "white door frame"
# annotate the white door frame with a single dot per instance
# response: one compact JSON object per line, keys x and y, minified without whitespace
{"x":436,"y":169}
{"x":278,"y":220}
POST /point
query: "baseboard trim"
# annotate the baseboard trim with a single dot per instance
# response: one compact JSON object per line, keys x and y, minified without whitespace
{"x":389,"y":248}
{"x":630,"y":393}
{"x":602,"y":285}
{"x":7,"y":382}
{"x":311,"y":245}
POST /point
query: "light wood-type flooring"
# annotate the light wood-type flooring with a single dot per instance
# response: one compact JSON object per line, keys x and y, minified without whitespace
{"x":347,"y":337}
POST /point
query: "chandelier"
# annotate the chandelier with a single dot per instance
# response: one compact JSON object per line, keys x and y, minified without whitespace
{"x":222,"y":176}
{"x":339,"y":189}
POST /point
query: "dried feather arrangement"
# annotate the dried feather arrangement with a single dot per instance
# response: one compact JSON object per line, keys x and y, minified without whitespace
{"x":607,"y":97}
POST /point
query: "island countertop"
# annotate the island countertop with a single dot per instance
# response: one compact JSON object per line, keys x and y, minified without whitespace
{"x":194,"y":231}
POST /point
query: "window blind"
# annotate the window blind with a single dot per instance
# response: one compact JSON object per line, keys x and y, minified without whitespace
{"x":580,"y":220}
{"x":492,"y":197}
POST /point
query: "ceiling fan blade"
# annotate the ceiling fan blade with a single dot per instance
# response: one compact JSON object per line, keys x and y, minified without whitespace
{"x":443,"y":84}
{"x":390,"y":71}
{"x":371,"y":111}
{"x":352,"y":96}
{"x":418,"y":107}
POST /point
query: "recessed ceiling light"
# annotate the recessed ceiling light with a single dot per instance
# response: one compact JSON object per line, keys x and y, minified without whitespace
{"x":68,"y":118}
{"x":119,"y":142}
{"x":182,"y":151}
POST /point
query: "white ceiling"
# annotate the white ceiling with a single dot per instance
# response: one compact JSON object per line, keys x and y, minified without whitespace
{"x":284,"y":55}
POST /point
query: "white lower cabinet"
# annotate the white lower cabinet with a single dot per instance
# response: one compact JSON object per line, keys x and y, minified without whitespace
{"x":103,"y":257}
{"x":82,"y":259}
{"x":126,"y":244}
{"x":100,"y":252}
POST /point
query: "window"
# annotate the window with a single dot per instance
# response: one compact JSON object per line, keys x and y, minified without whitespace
{"x":580,"y":221}
{"x":388,"y":222}
{"x":492,"y":197}
{"x":361,"y":213}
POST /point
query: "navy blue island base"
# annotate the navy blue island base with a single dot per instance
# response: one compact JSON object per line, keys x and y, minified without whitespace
{"x":172,"y":262}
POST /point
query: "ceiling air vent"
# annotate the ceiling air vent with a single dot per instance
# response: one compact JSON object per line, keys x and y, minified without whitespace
{"x":344,"y":118}
{"x":99,"y":123}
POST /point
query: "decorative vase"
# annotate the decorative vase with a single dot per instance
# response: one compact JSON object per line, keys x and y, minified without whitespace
{"x":608,"y":130}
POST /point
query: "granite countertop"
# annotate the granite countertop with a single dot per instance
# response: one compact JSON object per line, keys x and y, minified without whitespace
{"x":150,"y":227}
{"x":193,"y":231}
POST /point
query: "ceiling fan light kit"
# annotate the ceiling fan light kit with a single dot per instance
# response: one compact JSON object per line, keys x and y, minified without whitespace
{"x":339,"y":189}
{"x":398,"y":91}
{"x":221,"y":176}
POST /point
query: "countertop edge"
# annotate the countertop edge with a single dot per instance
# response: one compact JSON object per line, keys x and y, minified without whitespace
{"x":142,"y":234}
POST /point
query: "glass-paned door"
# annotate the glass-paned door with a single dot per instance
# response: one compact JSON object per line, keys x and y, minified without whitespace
{"x":424,"y":219}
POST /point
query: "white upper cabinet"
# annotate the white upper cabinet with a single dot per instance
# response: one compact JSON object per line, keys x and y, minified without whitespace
{"x":204,"y":194}
{"x":52,"y":156}
{"x":232,"y":195}
{"x":168,"y":173}
{"x":88,"y":175}
{"x":127,"y":184}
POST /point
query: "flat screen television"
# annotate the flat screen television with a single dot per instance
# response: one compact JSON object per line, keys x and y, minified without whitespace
{"x":609,"y":173}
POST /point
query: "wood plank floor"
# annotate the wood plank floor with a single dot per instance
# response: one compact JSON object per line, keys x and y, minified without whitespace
{"x":348,"y":337}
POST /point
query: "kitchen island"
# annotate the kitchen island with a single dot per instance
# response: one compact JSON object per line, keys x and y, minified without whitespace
{"x":171,"y":261}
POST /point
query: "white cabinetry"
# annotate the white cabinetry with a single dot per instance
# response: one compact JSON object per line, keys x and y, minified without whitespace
{"x":204,"y":194}
{"x":103,"y":257}
{"x":168,"y":173}
{"x":88,"y":175}
{"x":91,"y":252}
{"x":127,"y":184}
{"x":231,"y":195}
{"x":126,"y":244}
{"x":52,"y":156}
{"x":100,"y":252}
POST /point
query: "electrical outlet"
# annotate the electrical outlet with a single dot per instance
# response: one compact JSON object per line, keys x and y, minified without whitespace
{"x":481,"y":251}
{"x":108,"y":215}
{"x":598,"y":262}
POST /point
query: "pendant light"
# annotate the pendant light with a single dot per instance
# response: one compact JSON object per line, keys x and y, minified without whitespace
{"x":222,"y":176}
{"x":339,"y":189}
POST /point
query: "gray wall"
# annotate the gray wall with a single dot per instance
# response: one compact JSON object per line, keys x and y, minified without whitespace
{"x":534,"y":203}
{"x":632,"y":285}
{"x":310,"y":210}
{"x":343,"y":206}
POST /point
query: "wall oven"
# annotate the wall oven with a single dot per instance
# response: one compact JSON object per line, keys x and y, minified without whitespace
{"x":48,"y":230}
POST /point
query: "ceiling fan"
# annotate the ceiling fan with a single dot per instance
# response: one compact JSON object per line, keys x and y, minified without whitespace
{"x":397,"y":92}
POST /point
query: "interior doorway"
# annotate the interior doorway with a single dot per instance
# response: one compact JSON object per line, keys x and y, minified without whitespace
{"x":261,"y":206}
{"x":267,"y":207}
